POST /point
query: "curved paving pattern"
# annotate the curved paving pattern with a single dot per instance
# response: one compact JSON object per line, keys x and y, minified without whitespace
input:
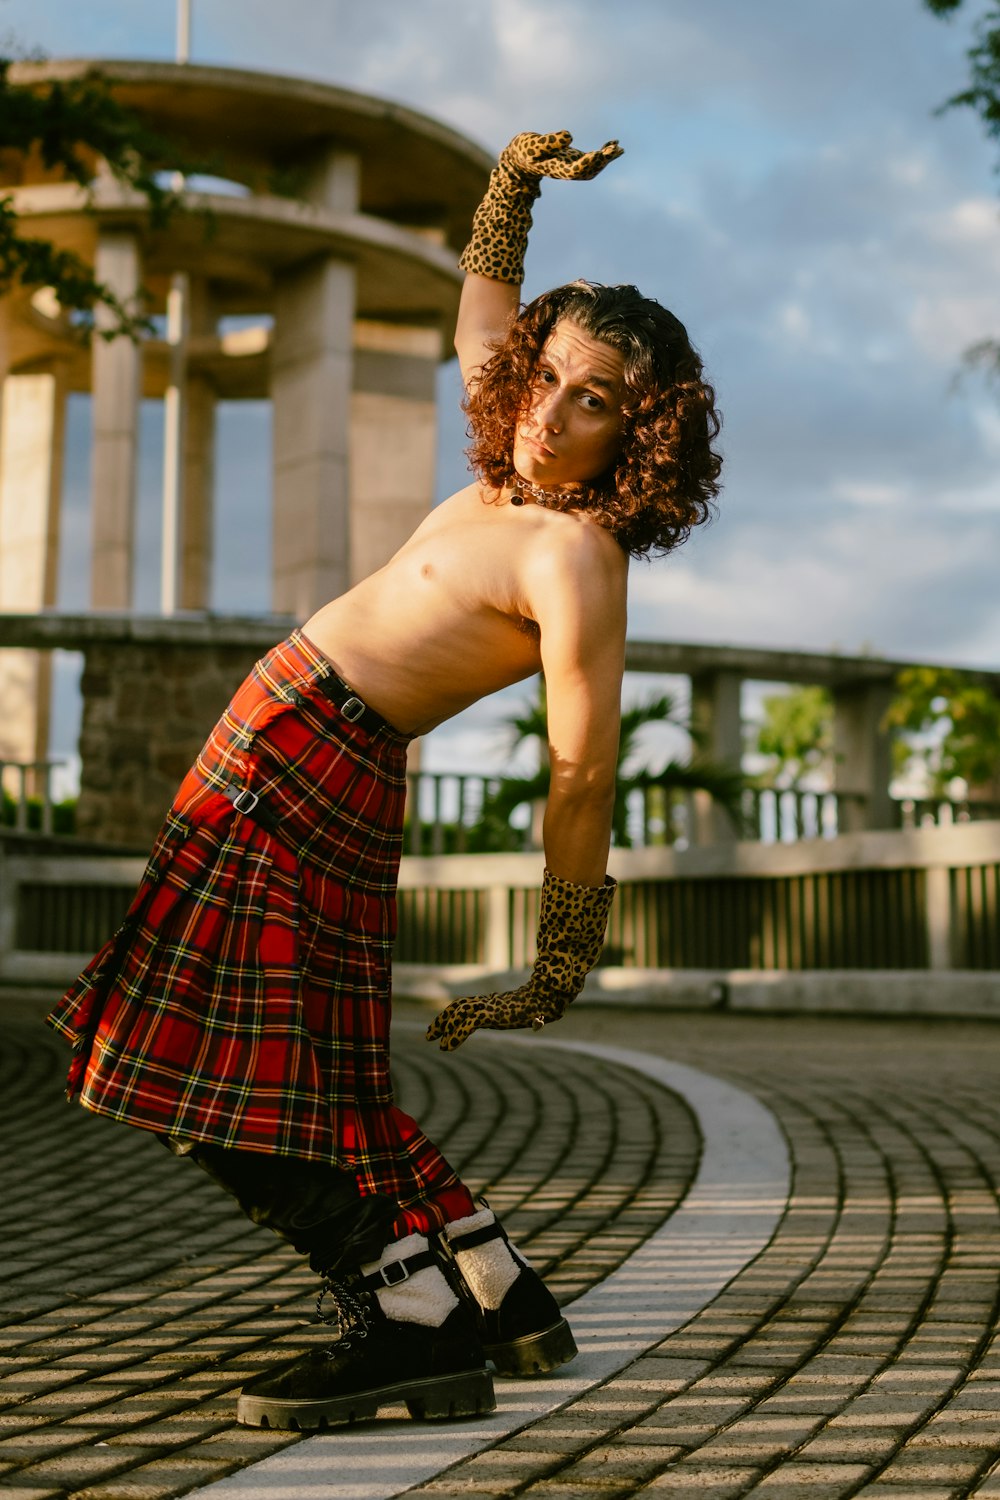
{"x":727,"y":1217}
{"x":859,"y":1354}
{"x":137,"y":1300}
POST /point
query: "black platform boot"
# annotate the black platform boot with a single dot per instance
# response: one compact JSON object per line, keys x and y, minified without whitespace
{"x":404,"y":1336}
{"x":518,"y":1319}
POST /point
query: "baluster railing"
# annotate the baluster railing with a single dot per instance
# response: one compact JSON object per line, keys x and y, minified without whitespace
{"x":32,"y":780}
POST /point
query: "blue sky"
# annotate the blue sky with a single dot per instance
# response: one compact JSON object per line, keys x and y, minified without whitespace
{"x":787,"y":190}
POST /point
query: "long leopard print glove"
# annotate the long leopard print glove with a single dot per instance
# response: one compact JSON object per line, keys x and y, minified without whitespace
{"x":501,"y":223}
{"x":571,"y":925}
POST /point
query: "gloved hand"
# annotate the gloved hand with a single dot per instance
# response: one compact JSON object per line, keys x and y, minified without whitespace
{"x":571,"y":926}
{"x":502,"y":221}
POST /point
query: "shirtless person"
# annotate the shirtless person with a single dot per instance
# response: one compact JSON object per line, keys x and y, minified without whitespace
{"x":241,"y":1012}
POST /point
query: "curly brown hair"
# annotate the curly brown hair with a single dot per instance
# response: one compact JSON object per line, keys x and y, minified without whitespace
{"x":666,"y":473}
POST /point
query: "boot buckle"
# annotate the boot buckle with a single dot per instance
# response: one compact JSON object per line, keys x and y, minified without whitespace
{"x":394,"y":1274}
{"x":397,"y":1271}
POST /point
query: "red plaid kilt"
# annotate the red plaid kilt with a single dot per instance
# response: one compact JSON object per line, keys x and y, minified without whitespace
{"x":246,"y":998}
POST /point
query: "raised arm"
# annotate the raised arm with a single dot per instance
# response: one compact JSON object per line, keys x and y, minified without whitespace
{"x":494,"y":257}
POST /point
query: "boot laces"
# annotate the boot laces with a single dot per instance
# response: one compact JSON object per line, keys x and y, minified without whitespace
{"x":348,"y":1311}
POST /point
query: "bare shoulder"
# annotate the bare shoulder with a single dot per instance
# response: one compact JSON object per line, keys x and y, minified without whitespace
{"x":456,"y":505}
{"x":576,"y":553}
{"x":443,"y":517}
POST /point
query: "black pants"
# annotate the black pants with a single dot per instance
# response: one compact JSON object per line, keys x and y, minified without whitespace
{"x":317,"y":1209}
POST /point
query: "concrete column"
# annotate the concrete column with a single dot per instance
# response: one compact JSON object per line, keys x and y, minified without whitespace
{"x":32,"y":436}
{"x":862,"y":752}
{"x":311,"y":378}
{"x":198,"y":494}
{"x":5,"y":331}
{"x":115,"y":385}
{"x":174,"y":439}
{"x":496,"y":940}
{"x":198,"y":463}
{"x":716,"y":714}
{"x":311,"y":391}
{"x":189,"y":453}
{"x":332,"y":180}
{"x":939,"y":923}
{"x":393,"y":439}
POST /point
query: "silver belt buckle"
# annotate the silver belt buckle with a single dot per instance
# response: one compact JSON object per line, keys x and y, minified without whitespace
{"x":250,"y":802}
{"x":352,"y":709}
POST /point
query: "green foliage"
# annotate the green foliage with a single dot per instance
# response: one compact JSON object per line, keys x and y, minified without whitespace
{"x":952,"y":725}
{"x":983,"y":97}
{"x":796,"y":735}
{"x":725,"y":784}
{"x":63,"y":814}
{"x":983,"y":92}
{"x":70,"y":125}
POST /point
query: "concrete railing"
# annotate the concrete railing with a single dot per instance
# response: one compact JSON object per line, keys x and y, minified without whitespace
{"x":924,"y":901}
{"x":27,"y":782}
{"x":445,"y":814}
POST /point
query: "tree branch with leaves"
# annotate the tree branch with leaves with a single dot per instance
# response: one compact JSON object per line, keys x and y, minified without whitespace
{"x":982,"y":96}
{"x":76,"y":127}
{"x":951,"y":727}
{"x":698,"y":774}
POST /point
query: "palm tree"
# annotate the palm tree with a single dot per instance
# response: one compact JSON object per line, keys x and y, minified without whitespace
{"x":698,"y":774}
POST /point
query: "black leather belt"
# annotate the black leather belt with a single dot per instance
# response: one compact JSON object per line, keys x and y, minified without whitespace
{"x":352,"y":708}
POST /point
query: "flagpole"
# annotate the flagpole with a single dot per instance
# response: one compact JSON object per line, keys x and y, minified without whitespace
{"x":183,"y":31}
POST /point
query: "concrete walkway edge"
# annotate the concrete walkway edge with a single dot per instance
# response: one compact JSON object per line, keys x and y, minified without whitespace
{"x":727,"y":1218}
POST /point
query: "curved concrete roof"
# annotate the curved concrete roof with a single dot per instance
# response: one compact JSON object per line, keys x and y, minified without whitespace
{"x":401,"y":275}
{"x":419,"y":185}
{"x":257,"y":126}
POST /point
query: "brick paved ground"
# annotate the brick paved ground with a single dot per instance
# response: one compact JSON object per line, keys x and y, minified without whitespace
{"x":857,"y":1356}
{"x":137,"y":1299}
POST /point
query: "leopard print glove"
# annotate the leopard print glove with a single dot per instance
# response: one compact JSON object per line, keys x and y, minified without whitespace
{"x":571,"y":926}
{"x":502,"y":220}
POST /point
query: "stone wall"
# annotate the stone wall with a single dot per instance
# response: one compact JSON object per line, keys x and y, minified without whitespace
{"x":147,"y":709}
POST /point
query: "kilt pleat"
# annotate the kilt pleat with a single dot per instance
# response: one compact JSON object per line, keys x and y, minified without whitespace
{"x":246,"y":998}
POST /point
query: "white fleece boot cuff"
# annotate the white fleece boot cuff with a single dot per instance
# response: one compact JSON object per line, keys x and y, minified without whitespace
{"x":425,"y":1297}
{"x":489,"y":1270}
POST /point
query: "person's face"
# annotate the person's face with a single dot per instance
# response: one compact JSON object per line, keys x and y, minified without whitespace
{"x":570,"y":430}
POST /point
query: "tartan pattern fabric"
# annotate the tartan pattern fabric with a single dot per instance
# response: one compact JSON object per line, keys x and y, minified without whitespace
{"x":245,"y":1000}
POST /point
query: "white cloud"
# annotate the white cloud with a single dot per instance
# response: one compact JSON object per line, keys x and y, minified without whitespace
{"x":856,"y":492}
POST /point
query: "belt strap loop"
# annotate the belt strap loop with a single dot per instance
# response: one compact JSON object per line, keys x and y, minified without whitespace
{"x":248,"y":802}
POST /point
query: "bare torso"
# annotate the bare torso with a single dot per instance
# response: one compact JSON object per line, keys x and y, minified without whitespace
{"x":450,"y":617}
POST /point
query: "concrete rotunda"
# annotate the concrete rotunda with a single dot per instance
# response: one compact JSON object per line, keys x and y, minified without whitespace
{"x":332,"y":235}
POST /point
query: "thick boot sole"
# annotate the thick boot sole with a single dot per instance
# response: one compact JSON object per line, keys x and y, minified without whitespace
{"x":536,"y":1353}
{"x":469,"y":1394}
